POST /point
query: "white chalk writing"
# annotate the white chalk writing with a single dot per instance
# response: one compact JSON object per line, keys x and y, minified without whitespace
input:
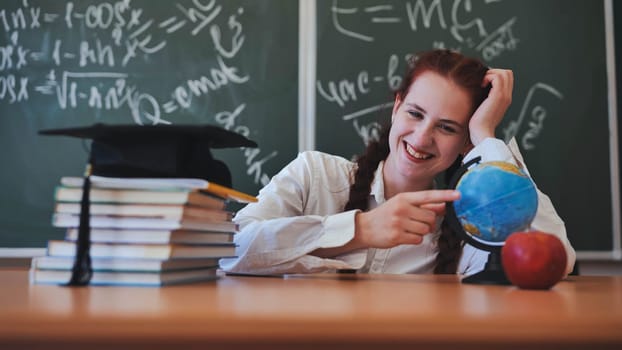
{"x":538,"y":114}
{"x":358,"y":22}
{"x":118,"y":34}
{"x":228,"y":120}
{"x":346,"y":92}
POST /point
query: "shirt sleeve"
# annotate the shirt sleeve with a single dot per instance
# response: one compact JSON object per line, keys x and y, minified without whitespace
{"x":276,"y":236}
{"x":546,"y":219}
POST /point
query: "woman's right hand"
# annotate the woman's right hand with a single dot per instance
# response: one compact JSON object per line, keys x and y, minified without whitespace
{"x":403,"y":219}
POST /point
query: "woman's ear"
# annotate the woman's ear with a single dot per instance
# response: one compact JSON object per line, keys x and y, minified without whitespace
{"x":468,"y":146}
{"x":396,"y":106}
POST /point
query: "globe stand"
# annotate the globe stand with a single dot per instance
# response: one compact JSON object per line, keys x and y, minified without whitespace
{"x":492,"y":273}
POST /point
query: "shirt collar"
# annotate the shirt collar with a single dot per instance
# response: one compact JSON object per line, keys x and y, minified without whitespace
{"x":377,"y":185}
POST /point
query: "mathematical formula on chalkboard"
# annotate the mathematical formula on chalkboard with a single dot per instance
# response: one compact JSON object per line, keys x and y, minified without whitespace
{"x":226,"y":63}
{"x":94,"y":70}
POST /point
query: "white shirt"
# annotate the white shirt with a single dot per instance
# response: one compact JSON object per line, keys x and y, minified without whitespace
{"x":301,"y":210}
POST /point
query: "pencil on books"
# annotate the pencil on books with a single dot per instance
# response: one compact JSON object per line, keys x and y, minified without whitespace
{"x":227,"y":192}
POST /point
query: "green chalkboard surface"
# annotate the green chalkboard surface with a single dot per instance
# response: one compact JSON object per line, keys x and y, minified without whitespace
{"x":230,"y":63}
{"x":234,"y":63}
{"x":559,"y":115}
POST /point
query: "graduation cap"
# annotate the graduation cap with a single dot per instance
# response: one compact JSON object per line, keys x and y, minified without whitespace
{"x":153,"y":151}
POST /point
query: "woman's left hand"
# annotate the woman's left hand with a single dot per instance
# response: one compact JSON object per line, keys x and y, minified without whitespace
{"x":490,"y":113}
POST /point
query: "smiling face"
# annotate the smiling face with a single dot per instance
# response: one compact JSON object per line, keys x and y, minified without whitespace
{"x":429,"y":130}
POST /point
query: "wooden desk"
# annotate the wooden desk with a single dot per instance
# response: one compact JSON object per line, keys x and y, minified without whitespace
{"x":314,"y":312}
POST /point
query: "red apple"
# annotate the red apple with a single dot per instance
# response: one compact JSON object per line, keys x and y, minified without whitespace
{"x":534,"y":259}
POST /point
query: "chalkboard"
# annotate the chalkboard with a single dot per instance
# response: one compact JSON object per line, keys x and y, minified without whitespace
{"x":559,"y":115}
{"x":231,"y":63}
{"x":234,"y":63}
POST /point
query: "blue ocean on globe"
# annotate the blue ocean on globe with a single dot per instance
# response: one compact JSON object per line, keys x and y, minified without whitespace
{"x":497,"y":199}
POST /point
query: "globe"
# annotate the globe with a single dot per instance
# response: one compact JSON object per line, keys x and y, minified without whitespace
{"x":497,"y":199}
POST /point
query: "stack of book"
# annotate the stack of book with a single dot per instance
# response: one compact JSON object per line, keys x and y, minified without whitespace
{"x":142,"y":231}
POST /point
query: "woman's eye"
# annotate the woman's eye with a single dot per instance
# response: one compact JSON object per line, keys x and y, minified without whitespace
{"x":416,"y":114}
{"x":447,"y":128}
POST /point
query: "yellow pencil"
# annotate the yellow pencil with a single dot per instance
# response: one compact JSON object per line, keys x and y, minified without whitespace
{"x":227,"y":192}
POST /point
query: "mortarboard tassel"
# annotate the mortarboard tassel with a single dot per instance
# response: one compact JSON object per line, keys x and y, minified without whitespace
{"x":82,"y":271}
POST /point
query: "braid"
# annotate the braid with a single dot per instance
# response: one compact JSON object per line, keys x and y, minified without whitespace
{"x":449,"y":250}
{"x":367,"y":164}
{"x":449,"y":243}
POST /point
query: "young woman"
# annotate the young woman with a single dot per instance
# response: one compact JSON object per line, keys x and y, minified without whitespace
{"x":383,"y":214}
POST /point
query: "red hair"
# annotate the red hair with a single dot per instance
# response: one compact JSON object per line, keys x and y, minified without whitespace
{"x":465,"y":72}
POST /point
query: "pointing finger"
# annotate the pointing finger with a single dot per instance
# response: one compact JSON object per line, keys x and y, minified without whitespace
{"x":432,"y":196}
{"x":437,"y":208}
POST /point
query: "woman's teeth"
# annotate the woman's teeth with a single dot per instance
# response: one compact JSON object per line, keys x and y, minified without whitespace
{"x":417,"y":154}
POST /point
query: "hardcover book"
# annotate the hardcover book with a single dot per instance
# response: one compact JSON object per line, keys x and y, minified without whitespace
{"x":181,"y":196}
{"x":155,"y":236}
{"x":161,"y":183}
{"x":127,"y":278}
{"x":124,"y":264}
{"x":102,"y":221}
{"x":178,"y":211}
{"x":145,"y":251}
